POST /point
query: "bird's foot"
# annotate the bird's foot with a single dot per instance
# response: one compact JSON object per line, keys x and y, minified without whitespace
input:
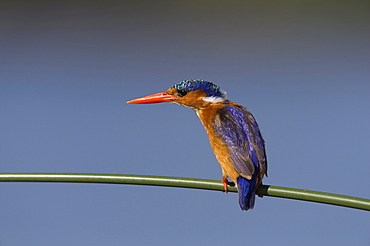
{"x":226,"y":187}
{"x":259,"y":182}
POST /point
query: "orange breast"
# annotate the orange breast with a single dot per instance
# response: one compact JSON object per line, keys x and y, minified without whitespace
{"x":206,"y":116}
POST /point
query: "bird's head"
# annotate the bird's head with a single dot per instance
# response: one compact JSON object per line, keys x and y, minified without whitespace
{"x":195,"y":94}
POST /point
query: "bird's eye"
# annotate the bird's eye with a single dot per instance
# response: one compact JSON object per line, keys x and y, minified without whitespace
{"x":182,"y":93}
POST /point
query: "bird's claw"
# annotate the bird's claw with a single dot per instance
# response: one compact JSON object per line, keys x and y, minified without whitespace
{"x":259,"y":182}
{"x":226,"y":187}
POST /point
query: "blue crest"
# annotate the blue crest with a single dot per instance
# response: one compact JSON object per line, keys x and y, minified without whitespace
{"x":209,"y":88}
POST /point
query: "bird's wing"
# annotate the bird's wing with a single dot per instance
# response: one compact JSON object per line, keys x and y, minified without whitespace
{"x":239,"y":130}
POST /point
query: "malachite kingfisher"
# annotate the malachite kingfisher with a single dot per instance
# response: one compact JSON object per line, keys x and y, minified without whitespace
{"x":232,"y":130}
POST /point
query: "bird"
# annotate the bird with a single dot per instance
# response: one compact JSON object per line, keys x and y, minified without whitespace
{"x":233,"y":133}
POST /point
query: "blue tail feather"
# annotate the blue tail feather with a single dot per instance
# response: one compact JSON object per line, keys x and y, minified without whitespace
{"x":247,"y":192}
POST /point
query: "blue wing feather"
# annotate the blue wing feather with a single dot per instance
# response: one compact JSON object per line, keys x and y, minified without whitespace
{"x":237,"y":128}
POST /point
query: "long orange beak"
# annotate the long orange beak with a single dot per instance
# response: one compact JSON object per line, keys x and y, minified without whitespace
{"x":153,"y":98}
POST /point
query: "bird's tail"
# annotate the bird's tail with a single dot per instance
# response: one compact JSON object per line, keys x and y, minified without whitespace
{"x":247,"y":192}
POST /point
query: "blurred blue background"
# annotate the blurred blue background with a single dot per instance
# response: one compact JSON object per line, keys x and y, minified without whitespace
{"x":67,"y":69}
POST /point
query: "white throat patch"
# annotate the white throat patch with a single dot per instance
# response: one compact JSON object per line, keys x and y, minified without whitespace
{"x":214,"y":99}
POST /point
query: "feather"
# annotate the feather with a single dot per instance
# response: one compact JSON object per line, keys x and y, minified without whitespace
{"x":237,"y":128}
{"x":247,"y":193}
